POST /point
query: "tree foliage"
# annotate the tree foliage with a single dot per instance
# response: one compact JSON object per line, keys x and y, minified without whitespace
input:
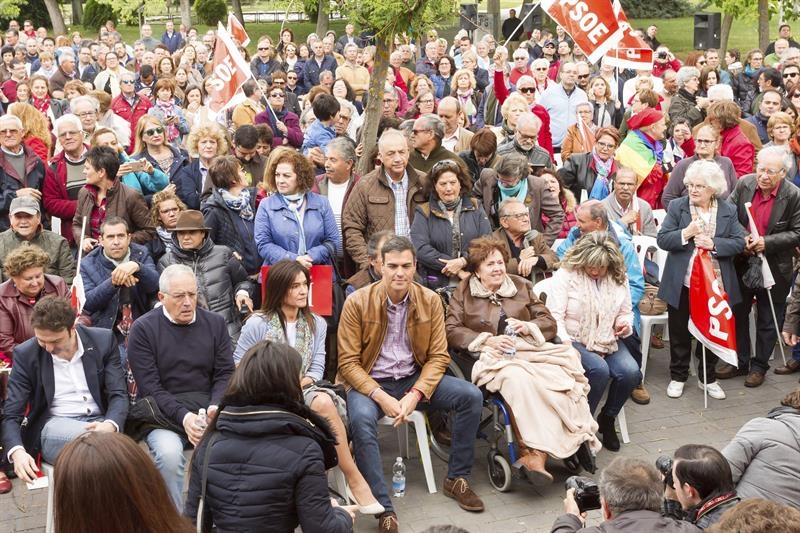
{"x":127,"y":10}
{"x":665,"y":9}
{"x":95,"y":14}
{"x":26,"y":9}
{"x":211,"y":11}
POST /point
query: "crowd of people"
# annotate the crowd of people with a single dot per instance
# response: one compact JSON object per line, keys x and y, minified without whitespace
{"x":120,"y":157}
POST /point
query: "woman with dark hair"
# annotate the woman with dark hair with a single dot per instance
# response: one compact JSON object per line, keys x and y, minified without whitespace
{"x":285,"y":317}
{"x":443,"y":77}
{"x":341,"y":89}
{"x":443,"y":227}
{"x":593,"y":171}
{"x":169,"y":112}
{"x":294,"y":222}
{"x":709,"y":76}
{"x":230,"y":211}
{"x":745,"y":85}
{"x":41,"y":98}
{"x":565,"y":198}
{"x":481,"y":153}
{"x":285,"y":124}
{"x":106,"y":478}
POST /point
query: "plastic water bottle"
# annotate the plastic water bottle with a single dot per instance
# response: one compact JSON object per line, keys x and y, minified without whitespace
{"x":202,"y":418}
{"x":510,"y":353}
{"x":399,"y":478}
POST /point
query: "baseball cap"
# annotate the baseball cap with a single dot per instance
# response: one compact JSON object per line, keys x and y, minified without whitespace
{"x":24,"y":204}
{"x":550,"y":42}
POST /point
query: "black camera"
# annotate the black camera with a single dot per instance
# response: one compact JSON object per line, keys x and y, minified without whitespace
{"x":664,"y":465}
{"x":587,"y":493}
{"x":662,"y":55}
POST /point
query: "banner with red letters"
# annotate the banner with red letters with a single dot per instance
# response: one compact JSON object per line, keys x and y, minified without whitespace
{"x":631,"y":51}
{"x":710,"y":316}
{"x":320,"y":293}
{"x":230,"y":71}
{"x":592,"y":24}
{"x":237,"y":31}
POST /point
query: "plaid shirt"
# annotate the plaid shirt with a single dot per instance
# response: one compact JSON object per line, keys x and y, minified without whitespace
{"x":402,"y":227}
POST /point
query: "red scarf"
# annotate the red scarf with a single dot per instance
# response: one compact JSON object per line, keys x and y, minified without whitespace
{"x":41,"y":104}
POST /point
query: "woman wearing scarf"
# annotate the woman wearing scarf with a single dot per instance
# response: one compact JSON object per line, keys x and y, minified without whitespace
{"x":463,"y":89}
{"x":230,"y":211}
{"x":699,"y":221}
{"x":745,"y":84}
{"x":170,"y":113}
{"x":443,"y":228}
{"x":285,"y":124}
{"x":687,"y":104}
{"x":41,"y":98}
{"x":591,"y":303}
{"x":593,"y":171}
{"x":580,"y":137}
{"x":606,"y":109}
{"x":643,"y":152}
{"x":295,"y":223}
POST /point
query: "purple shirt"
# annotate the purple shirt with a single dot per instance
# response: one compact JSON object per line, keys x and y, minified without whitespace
{"x":395,"y":360}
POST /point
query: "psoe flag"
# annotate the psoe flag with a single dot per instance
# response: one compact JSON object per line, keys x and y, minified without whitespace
{"x":230,"y":69}
{"x":237,"y":31}
{"x":631,"y":51}
{"x":710,"y":316}
{"x":592,"y":24}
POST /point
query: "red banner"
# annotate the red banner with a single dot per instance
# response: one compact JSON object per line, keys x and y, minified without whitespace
{"x":711,"y":318}
{"x":237,"y":31}
{"x":592,"y":24}
{"x":631,"y":51}
{"x":320,"y":293}
{"x":229,"y":73}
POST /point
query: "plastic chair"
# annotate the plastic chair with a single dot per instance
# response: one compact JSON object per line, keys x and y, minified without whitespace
{"x":659,"y":215}
{"x":47,"y":470}
{"x":420,"y":428}
{"x":543,"y":288}
{"x":642,"y":243}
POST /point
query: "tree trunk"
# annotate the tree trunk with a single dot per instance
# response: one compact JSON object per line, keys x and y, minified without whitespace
{"x":374,"y":109}
{"x":186,"y":14}
{"x":322,"y":18}
{"x":59,"y":28}
{"x":763,"y":24}
{"x":725,"y":33}
{"x":77,"y":12}
{"x":237,"y":11}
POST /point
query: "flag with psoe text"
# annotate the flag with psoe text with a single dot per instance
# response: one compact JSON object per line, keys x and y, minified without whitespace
{"x":631,"y":51}
{"x":230,"y":71}
{"x":592,"y":24}
{"x":710,"y":316}
{"x":237,"y":31}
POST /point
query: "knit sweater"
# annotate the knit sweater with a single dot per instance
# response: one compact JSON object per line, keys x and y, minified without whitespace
{"x":169,"y":359}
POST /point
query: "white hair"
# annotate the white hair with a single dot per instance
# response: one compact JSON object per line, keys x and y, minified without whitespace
{"x":710,"y":173}
{"x":172,"y":272}
{"x":721,"y":92}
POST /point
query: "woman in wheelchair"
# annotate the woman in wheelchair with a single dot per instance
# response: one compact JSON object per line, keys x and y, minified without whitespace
{"x":591,"y":302}
{"x":285,"y":317}
{"x":541,"y":382}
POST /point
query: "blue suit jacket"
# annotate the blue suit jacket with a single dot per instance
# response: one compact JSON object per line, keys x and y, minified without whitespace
{"x":728,"y":242}
{"x":33,"y":382}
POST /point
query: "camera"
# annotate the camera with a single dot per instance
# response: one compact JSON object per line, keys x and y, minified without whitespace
{"x":664,"y":465}
{"x":587,"y":493}
{"x":662,"y":55}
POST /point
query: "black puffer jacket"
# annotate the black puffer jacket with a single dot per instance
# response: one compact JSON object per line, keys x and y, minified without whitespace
{"x":228,"y":227}
{"x":266,"y":472}
{"x":219,"y":276}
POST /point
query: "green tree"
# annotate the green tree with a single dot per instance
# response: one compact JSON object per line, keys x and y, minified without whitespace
{"x":386,"y":19}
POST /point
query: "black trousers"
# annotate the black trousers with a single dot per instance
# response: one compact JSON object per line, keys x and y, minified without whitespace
{"x":766,"y":334}
{"x":680,"y":344}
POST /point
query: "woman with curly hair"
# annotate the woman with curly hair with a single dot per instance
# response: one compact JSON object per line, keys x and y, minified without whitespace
{"x":164,"y":212}
{"x":204,"y":143}
{"x":463,"y":88}
{"x":35,"y":133}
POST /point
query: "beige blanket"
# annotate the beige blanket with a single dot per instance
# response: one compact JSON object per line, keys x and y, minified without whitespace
{"x":547,"y":391}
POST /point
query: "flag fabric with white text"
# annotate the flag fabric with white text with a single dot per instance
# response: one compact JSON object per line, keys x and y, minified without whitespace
{"x":631,"y":51}
{"x":230,"y":71}
{"x":592,"y":24}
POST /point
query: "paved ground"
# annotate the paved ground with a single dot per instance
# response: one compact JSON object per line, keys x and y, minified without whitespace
{"x":655,"y":429}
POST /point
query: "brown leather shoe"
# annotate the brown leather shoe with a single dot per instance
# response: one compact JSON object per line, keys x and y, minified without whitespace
{"x":754,"y":379}
{"x":532,"y":464}
{"x":5,"y":484}
{"x":640,"y":395}
{"x":387,"y":523}
{"x":656,"y":342}
{"x":459,"y":490}
{"x":726,"y":371}
{"x":792,"y":366}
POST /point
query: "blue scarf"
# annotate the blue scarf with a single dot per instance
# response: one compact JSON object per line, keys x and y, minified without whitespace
{"x":520,"y":190}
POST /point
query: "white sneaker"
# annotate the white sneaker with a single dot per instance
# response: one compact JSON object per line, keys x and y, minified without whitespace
{"x":675,"y":389}
{"x":714,"y":390}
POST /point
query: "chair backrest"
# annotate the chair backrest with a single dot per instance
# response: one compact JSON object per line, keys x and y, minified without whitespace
{"x":641,"y":243}
{"x":542,"y":288}
{"x":658,"y":217}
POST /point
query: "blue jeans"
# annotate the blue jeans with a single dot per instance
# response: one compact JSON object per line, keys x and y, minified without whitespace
{"x":59,"y":431}
{"x":452,"y":394}
{"x":619,"y":367}
{"x":167,"y":449}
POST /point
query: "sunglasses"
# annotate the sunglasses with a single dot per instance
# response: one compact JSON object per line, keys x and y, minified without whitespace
{"x":264,"y":48}
{"x":276,"y":95}
{"x":154,"y":131}
{"x":790,"y":75}
{"x":527,"y":90}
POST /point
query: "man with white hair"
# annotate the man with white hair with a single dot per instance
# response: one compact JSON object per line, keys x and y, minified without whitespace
{"x":65,"y":72}
{"x":525,"y":142}
{"x":781,"y":45}
{"x":22,"y":172}
{"x":561,"y":101}
{"x":427,"y":65}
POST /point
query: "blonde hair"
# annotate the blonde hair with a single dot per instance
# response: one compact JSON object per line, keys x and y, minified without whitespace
{"x":513,"y":98}
{"x":596,"y":249}
{"x":213,"y":131}
{"x":34,"y":123}
{"x":458,"y":74}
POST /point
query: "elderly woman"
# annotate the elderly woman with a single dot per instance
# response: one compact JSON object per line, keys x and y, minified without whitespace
{"x":138,"y":175}
{"x":697,"y":222}
{"x":781,"y":128}
{"x":687,"y":103}
{"x":229,"y":212}
{"x":734,"y":144}
{"x":27,"y":283}
{"x":643,"y":151}
{"x":463,"y":88}
{"x":543,"y":384}
{"x":469,"y":61}
{"x":151,"y":145}
{"x":593,"y":171}
{"x":164,"y":211}
{"x":285,"y":125}
{"x":512,"y":108}
{"x":580,"y":136}
{"x":169,"y":112}
{"x":511,"y":179}
{"x":295,"y":223}
{"x":422,"y":105}
{"x":443,"y":228}
{"x":591,"y":303}
{"x":205,"y":143}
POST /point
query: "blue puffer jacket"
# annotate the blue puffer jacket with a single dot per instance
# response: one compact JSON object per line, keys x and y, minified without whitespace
{"x":266,"y":472}
{"x":102,"y":298}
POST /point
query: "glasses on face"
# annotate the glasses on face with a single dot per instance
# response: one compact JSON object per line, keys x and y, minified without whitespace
{"x":702,"y":62}
{"x":520,"y":58}
{"x":446,"y":164}
{"x":527,"y":90}
{"x":696,"y":187}
{"x":262,"y":48}
{"x":619,"y":185}
{"x":518,"y":216}
{"x":291,"y":78}
{"x":276,"y":95}
{"x":85,"y":114}
{"x":787,"y":75}
{"x":126,"y":82}
{"x":426,"y":101}
{"x":605,"y":146}
{"x":278,"y":82}
{"x":705,"y":141}
{"x":169,"y":211}
{"x":768,"y":171}
{"x":583,"y":76}
{"x":154,"y":131}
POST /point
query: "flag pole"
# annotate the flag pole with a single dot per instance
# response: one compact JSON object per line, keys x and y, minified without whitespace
{"x":777,"y":328}
{"x":522,"y":22}
{"x":705,"y":378}
{"x":80,"y":246}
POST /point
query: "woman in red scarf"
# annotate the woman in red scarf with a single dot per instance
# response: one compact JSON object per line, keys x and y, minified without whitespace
{"x":42,"y":100}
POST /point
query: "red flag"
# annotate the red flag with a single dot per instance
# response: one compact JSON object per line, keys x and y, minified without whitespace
{"x":77,"y":296}
{"x":711,"y":319}
{"x":320,"y":292}
{"x":592,"y":24}
{"x":237,"y":31}
{"x":631,"y":51}
{"x":230,"y":70}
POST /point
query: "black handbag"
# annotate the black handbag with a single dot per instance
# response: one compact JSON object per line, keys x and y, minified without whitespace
{"x":145,"y":415}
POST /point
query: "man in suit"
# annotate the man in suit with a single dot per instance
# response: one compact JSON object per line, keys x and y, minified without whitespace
{"x":71,"y":378}
{"x":776,"y":213}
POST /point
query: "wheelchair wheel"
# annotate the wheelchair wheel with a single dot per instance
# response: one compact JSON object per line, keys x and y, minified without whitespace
{"x":499,"y":471}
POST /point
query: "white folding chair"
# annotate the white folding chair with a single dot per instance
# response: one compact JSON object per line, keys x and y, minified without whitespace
{"x":642,"y":243}
{"x":47,"y":470}
{"x":658,"y":216}
{"x":418,"y":419}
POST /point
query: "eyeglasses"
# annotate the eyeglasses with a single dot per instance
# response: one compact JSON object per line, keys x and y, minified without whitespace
{"x":788,"y":75}
{"x":291,"y":77}
{"x":624,"y":185}
{"x":169,"y":211}
{"x":276,"y":95}
{"x":154,"y":131}
{"x":696,"y":186}
{"x":446,"y":164}
{"x":583,"y":76}
{"x":605,"y":146}
{"x":768,"y":171}
{"x":756,"y":59}
{"x":71,"y":133}
{"x":703,"y":62}
{"x":183,"y":295}
{"x":518,"y":216}
{"x":85,"y":114}
{"x":520,"y":58}
{"x":278,"y":82}
{"x":262,"y":48}
{"x":705,"y":141}
{"x":541,"y":69}
{"x":527,"y":90}
{"x":126,"y":82}
{"x":426,"y":101}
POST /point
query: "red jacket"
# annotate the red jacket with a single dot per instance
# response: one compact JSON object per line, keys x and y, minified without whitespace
{"x":545,"y":137}
{"x":132,"y":114}
{"x":55,"y":198}
{"x":736,"y":146}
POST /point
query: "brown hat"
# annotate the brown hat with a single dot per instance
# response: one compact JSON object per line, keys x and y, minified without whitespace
{"x":190,"y":220}
{"x":645,"y":117}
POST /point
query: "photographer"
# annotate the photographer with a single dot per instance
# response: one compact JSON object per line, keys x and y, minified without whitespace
{"x":664,"y":60}
{"x":702,"y":483}
{"x":630,"y":498}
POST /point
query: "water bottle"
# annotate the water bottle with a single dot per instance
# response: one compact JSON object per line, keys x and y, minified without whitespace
{"x":202,"y":419}
{"x":399,"y":478}
{"x":510,"y":353}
